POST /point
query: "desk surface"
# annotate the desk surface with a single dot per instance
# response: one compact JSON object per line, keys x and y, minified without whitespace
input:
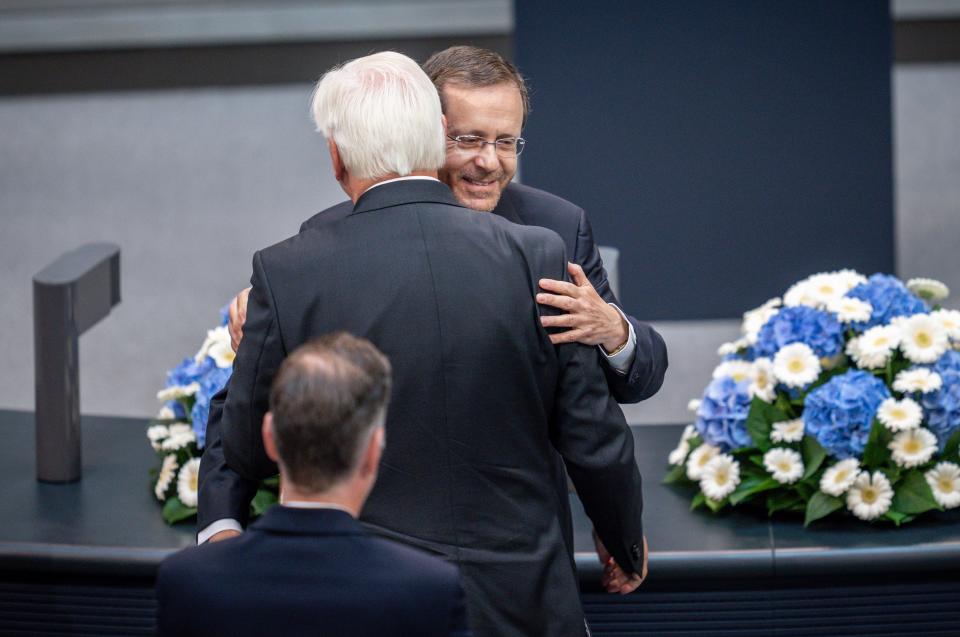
{"x":110,"y":521}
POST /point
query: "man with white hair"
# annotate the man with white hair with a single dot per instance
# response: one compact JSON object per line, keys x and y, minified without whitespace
{"x":481,"y":396}
{"x":287,"y":575}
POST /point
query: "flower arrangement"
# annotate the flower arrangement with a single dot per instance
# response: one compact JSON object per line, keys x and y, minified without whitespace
{"x":842,"y":394}
{"x":178,"y":432}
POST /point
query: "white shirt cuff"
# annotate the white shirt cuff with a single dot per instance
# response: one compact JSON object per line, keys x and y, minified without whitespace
{"x":622,"y":360}
{"x":226,"y":524}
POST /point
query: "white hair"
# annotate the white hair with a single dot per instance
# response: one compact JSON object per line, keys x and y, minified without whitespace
{"x":383,"y":113}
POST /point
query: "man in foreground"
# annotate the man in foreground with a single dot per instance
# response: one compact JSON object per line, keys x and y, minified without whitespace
{"x":307,"y":567}
{"x":482,"y":396}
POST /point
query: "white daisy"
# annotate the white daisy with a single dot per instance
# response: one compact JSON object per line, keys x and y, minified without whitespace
{"x":187,"y":482}
{"x":838,"y":478}
{"x":826,"y":287}
{"x":913,"y":447}
{"x":800,"y":293}
{"x":950,"y":320}
{"x":165,"y":413}
{"x":785,"y":465}
{"x":737,"y":370}
{"x":178,"y":441}
{"x":754,"y":319}
{"x":944,"y":481}
{"x":918,"y":379}
{"x":699,"y":458}
{"x":720,"y":477}
{"x":678,"y":455}
{"x":850,"y":278}
{"x":156,"y":434}
{"x":796,"y":365}
{"x":733,"y":347}
{"x":787,"y":431}
{"x":870,"y":495}
{"x":875,"y":347}
{"x":763,"y":381}
{"x":218,"y":347}
{"x":850,"y":310}
{"x":179,"y":428}
{"x":928,"y":289}
{"x":688,"y":432}
{"x":694,"y":405}
{"x":900,"y":415}
{"x":923,"y":339}
{"x":177,"y":391}
{"x":167,"y":471}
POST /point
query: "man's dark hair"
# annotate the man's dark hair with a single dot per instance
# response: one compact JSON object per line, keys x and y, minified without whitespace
{"x":474,"y":67}
{"x":325,"y":400}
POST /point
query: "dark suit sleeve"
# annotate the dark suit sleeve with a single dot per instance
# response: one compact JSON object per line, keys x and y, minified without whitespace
{"x":590,"y":432}
{"x":260,"y":355}
{"x":645,"y":375}
{"x":223,"y":493}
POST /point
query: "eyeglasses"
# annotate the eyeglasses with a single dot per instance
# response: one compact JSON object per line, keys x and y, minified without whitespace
{"x":505,"y":146}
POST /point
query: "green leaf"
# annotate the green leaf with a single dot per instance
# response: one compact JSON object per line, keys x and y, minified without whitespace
{"x":698,"y":501}
{"x":760,"y":421}
{"x":892,"y":473}
{"x":813,"y":455}
{"x":175,"y":511}
{"x":751,"y":487}
{"x":262,"y":501}
{"x":913,"y":495}
{"x":272,"y":482}
{"x":780,"y":501}
{"x":677,"y":473}
{"x":806,"y":488}
{"x":952,"y":446}
{"x":820,"y":506}
{"x":896,"y":517}
{"x":875,"y":454}
{"x":715,"y":505}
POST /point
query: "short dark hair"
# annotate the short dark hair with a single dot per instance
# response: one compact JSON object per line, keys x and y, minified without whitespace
{"x":476,"y":68}
{"x":325,"y":400}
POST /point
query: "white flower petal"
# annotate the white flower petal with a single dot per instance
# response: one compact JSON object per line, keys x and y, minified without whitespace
{"x":787,"y":431}
{"x":840,"y":477}
{"x":913,"y":447}
{"x":720,"y":477}
{"x":928,"y":289}
{"x":699,"y":458}
{"x":785,"y":465}
{"x":187,"y":481}
{"x":900,"y":415}
{"x":796,"y":365}
{"x":923,"y":339}
{"x":870,"y":495}
{"x":917,"y":379}
{"x":944,"y":481}
{"x":167,"y":471}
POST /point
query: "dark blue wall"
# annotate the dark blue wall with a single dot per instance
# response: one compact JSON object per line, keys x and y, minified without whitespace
{"x":727,"y":148}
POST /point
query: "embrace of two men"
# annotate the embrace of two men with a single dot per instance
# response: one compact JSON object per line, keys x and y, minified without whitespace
{"x":499,"y":389}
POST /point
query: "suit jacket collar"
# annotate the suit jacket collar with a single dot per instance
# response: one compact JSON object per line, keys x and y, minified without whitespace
{"x":507,"y":207}
{"x":410,"y":191}
{"x":281,"y":519}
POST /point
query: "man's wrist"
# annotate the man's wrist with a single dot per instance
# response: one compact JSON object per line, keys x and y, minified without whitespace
{"x":226,"y":524}
{"x":615,"y":344}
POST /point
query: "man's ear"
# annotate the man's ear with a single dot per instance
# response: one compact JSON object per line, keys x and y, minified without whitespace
{"x":443,"y":120}
{"x":339,"y":170}
{"x":269,"y":442}
{"x":370,"y":462}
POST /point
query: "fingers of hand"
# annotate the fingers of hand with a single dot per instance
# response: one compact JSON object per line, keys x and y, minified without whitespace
{"x":561,"y":320}
{"x":570,"y":336}
{"x":560,"y":287}
{"x":557,"y":301}
{"x":242,"y":299}
{"x":577,"y":274}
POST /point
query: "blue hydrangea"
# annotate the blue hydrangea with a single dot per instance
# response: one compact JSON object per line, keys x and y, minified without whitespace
{"x":722,"y":416}
{"x":821,"y":331}
{"x":942,"y":407}
{"x":210,"y":384}
{"x":840,"y":412}
{"x":889,"y":297}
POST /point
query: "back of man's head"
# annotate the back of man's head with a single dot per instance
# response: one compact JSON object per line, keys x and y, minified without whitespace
{"x":327,"y":399}
{"x":473,"y":67}
{"x":384,"y":115}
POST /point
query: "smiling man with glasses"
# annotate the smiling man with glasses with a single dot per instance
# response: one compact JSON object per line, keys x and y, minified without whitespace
{"x":485,"y":102}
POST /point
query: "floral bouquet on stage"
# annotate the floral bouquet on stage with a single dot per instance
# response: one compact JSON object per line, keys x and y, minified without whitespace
{"x":178,"y":432}
{"x":845,"y":394}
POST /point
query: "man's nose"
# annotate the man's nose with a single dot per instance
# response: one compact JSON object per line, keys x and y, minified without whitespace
{"x":487,"y":158}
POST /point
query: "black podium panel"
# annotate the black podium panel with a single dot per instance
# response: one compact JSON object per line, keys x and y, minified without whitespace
{"x":80,"y":559}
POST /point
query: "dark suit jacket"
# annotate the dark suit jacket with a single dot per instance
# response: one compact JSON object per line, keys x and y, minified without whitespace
{"x":308,"y":572}
{"x":481,"y":397}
